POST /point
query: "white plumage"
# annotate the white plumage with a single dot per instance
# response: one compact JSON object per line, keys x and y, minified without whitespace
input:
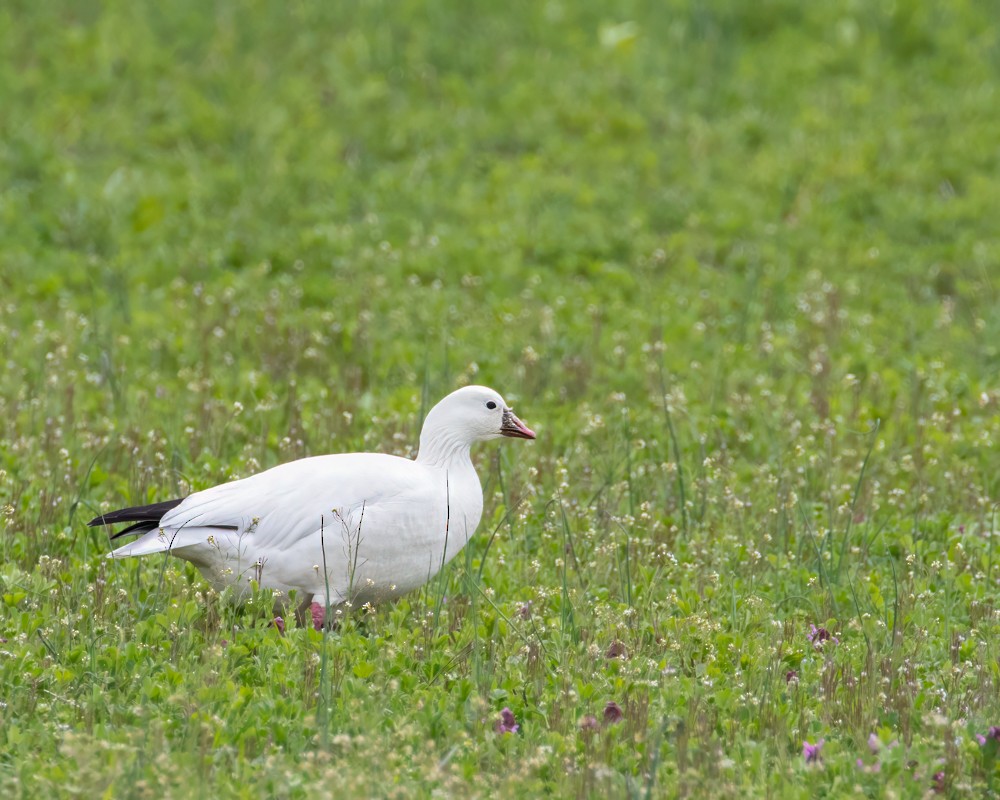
{"x":381,"y":524}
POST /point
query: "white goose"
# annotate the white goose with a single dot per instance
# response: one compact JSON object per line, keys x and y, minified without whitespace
{"x":381,"y":525}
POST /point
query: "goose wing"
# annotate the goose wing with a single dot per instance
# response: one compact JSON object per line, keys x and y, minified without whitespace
{"x":283,"y":505}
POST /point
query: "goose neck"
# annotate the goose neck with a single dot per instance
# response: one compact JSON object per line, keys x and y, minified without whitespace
{"x":438,"y":448}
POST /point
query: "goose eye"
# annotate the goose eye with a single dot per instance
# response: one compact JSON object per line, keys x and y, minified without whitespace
{"x":490,"y":405}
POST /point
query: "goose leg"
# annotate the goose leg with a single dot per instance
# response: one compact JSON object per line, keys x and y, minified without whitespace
{"x":312,"y":611}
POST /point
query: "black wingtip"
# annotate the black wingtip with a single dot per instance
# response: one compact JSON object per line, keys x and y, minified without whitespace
{"x":152,"y":513}
{"x":136,"y":529}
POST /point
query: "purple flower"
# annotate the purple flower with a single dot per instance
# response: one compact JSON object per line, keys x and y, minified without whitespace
{"x":616,"y":650}
{"x":819,"y":635}
{"x":810,"y":752}
{"x":524,"y":612}
{"x":791,"y":676}
{"x":874,"y":743}
{"x":938,"y":786}
{"x":613,"y":713}
{"x":279,"y":623}
{"x":589,"y":724}
{"x":993,"y":733}
{"x":506,"y":723}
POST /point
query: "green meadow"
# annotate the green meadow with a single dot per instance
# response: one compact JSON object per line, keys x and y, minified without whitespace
{"x":736,"y":263}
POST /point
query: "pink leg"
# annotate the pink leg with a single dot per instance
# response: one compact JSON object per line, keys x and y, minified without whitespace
{"x":318,"y":615}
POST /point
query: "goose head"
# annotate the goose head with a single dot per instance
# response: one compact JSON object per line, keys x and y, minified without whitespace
{"x":466,"y":416}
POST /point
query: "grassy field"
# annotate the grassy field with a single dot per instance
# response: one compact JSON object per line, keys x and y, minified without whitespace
{"x":736,"y":263}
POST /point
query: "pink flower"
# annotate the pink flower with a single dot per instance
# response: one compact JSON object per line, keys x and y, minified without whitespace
{"x":506,"y":723}
{"x":810,"y":752}
{"x":279,"y":623}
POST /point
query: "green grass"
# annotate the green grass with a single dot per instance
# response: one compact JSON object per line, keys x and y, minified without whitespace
{"x":736,"y":263}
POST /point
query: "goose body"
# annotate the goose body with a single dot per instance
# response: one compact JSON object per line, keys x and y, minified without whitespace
{"x":362,"y":527}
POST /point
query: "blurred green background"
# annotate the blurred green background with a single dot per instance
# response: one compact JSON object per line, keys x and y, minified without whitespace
{"x":737,"y":263}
